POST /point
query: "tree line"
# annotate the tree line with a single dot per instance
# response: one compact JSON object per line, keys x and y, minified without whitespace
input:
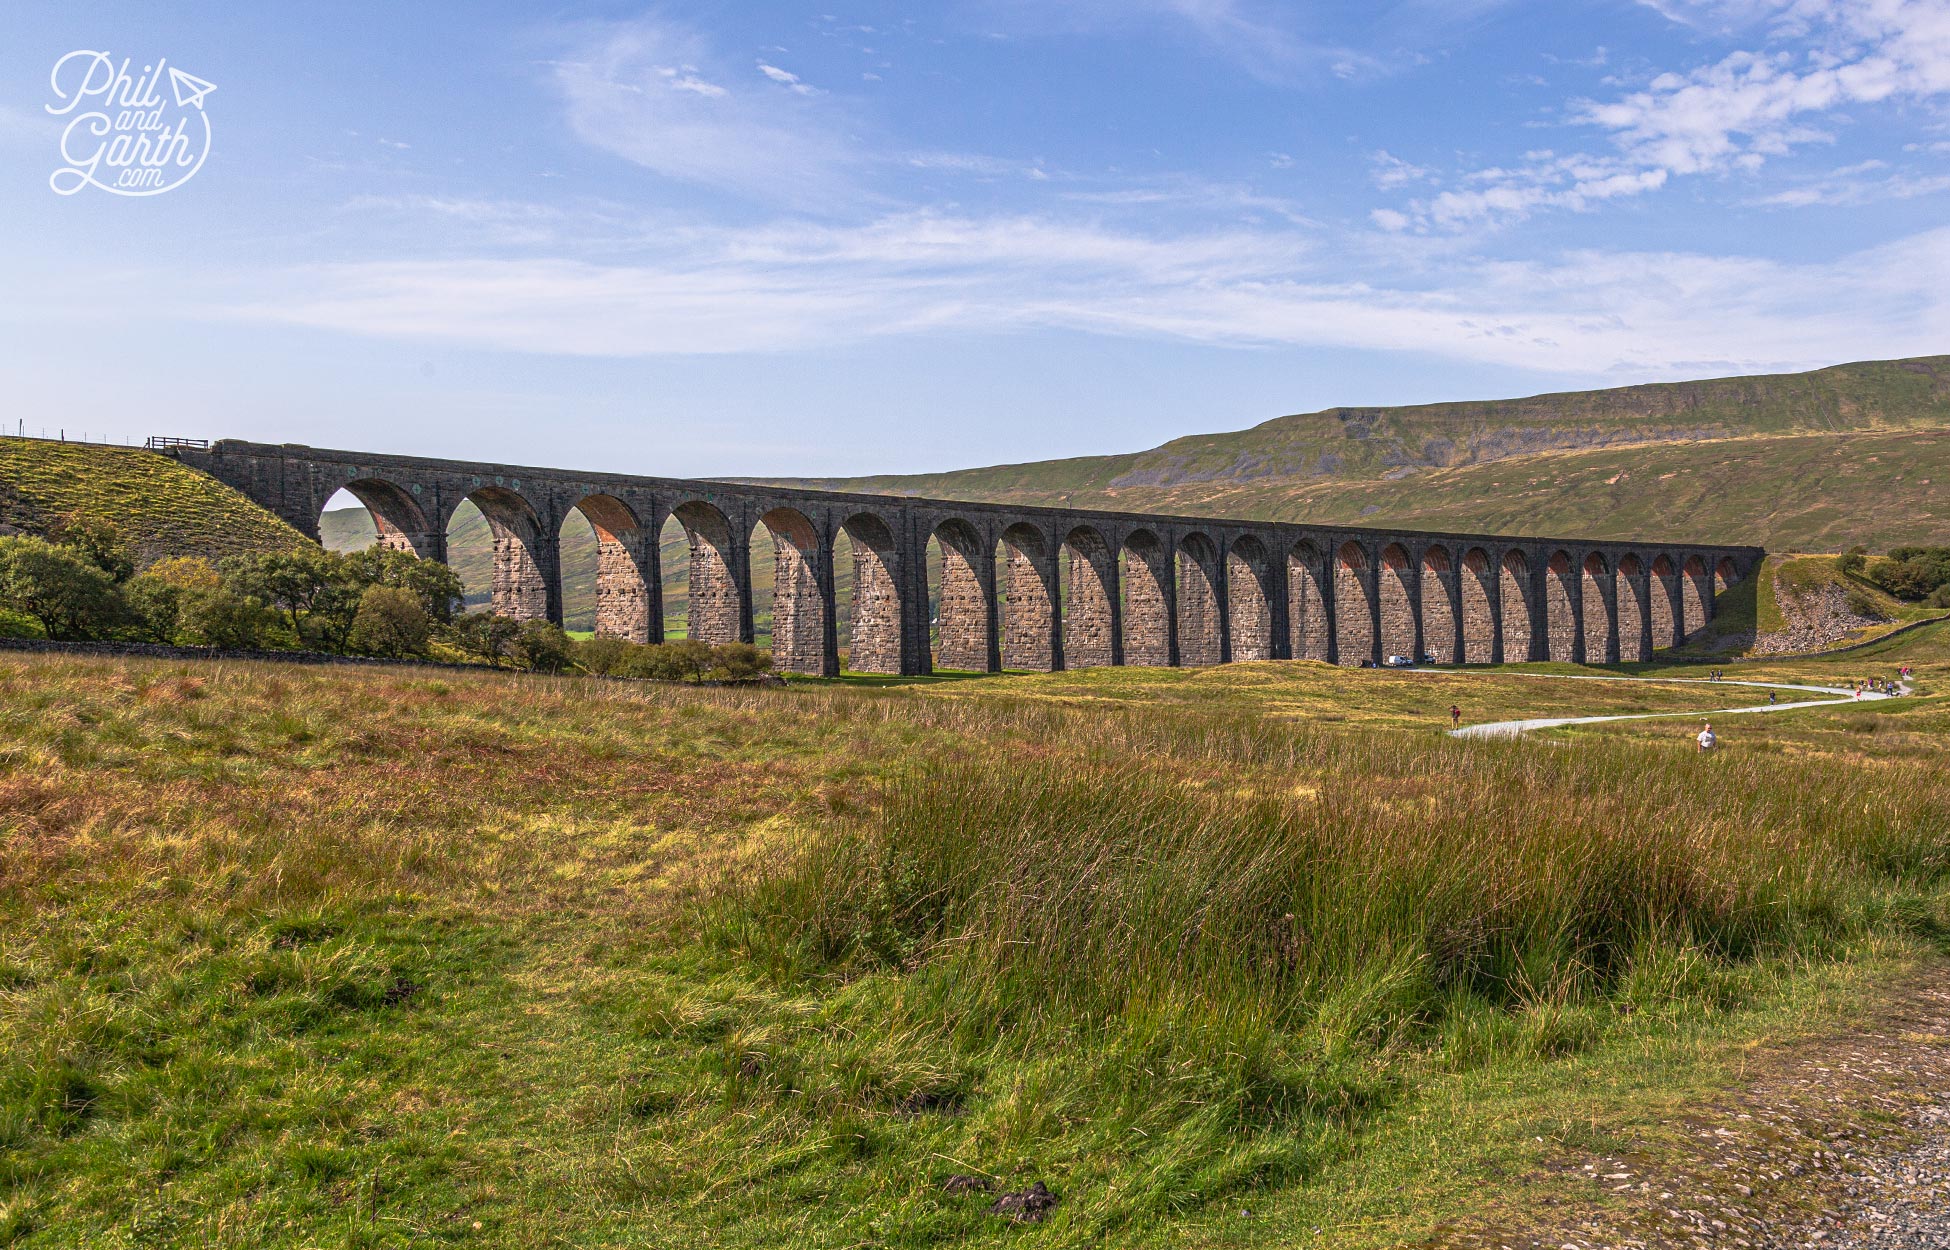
{"x":81,"y":582}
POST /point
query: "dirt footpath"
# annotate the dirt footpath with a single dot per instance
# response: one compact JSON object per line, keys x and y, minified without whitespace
{"x":1844,"y":1141}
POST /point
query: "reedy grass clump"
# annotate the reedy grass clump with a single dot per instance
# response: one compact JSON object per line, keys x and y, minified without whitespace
{"x":1242,"y":969}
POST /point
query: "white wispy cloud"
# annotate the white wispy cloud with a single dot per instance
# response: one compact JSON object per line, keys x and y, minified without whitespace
{"x":798,"y":285}
{"x":1261,"y":38}
{"x":1733,"y":115}
{"x":654,"y":92}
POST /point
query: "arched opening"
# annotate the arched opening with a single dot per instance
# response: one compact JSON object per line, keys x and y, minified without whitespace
{"x":1440,"y":624}
{"x":792,"y":619}
{"x":1724,"y":575}
{"x":368,"y":511}
{"x":1307,"y":622}
{"x":1631,"y":596}
{"x":1696,"y":597}
{"x":1353,"y":607}
{"x":494,"y":545}
{"x":1200,"y":636}
{"x":1595,"y":600}
{"x":1397,"y":603}
{"x":960,"y":608}
{"x":1147,"y":601}
{"x":700,"y":591}
{"x":873,"y":614}
{"x":1560,"y":616}
{"x":1088,"y":592}
{"x":603,"y":587}
{"x":1518,"y":644}
{"x":1664,"y":596}
{"x":1478,"y":616}
{"x":1249,"y":602}
{"x":1028,"y":589}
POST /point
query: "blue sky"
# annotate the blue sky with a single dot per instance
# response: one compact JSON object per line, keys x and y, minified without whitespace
{"x":697,"y":239}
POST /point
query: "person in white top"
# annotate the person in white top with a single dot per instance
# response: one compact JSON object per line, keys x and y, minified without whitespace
{"x":1706,"y":738}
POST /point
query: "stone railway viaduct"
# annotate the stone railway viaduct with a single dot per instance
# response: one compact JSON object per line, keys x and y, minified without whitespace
{"x":1138,"y":589}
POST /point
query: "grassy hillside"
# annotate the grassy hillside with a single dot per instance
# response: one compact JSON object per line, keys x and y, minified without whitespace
{"x":299,"y":957}
{"x":164,"y":508}
{"x":1811,"y":461}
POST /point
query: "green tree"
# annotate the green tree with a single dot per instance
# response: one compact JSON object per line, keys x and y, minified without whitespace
{"x":487,"y":636}
{"x":216,"y":617}
{"x":739,"y":661}
{"x":1851,"y":563}
{"x":683,"y":660}
{"x":317,"y":591}
{"x":604,"y":656}
{"x":543,"y":647}
{"x":100,"y":540}
{"x":70,"y":595}
{"x":439,"y":588}
{"x":391,"y":621}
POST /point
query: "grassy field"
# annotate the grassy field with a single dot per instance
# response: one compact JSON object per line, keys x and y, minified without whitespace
{"x":163,"y":507}
{"x":309,"y":957}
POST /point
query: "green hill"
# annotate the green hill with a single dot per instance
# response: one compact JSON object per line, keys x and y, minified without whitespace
{"x":165,"y":508}
{"x":1849,"y":454}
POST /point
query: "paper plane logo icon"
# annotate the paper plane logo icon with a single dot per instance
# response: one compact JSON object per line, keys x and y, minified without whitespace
{"x":190,"y":89}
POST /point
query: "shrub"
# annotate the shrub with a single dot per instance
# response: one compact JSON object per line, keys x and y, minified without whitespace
{"x":216,"y":617}
{"x":543,"y":647}
{"x":739,"y":661}
{"x":1851,"y":563}
{"x":392,"y":621}
{"x":69,"y":594}
{"x":1939,"y":598}
{"x":683,"y":660}
{"x":314,"y":589}
{"x":487,"y":636}
{"x":604,"y":656}
{"x":99,"y":540}
{"x":1862,"y":603}
{"x":437,"y":587}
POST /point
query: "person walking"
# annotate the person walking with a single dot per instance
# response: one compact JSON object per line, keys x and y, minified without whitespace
{"x":1455,"y":716}
{"x":1706,"y":738}
{"x":1773,"y":697}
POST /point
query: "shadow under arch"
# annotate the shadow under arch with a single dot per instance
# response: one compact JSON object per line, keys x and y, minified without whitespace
{"x":963,"y":610}
{"x":798,"y":624}
{"x":1249,"y":601}
{"x":1088,"y":594}
{"x":874,"y":615}
{"x":1148,"y":595}
{"x":1309,"y":630}
{"x":1201,"y":638}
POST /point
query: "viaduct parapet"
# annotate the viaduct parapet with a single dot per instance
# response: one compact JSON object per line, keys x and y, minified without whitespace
{"x":1019,"y":587}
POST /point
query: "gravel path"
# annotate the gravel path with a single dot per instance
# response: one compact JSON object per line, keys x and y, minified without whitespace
{"x":1511,"y":728}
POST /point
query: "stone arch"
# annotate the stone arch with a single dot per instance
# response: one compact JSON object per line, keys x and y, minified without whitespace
{"x":1519,"y":634}
{"x":1147,"y":600}
{"x":1663,"y":599}
{"x":1028,"y":577}
{"x":1354,"y":625}
{"x":1476,"y":587}
{"x":1724,"y":574}
{"x":1307,"y":620}
{"x":712,"y":611}
{"x":1560,"y":607}
{"x":1396,"y":601}
{"x":964,"y":618}
{"x":1631,"y":600}
{"x":1250,"y":606}
{"x":522,"y":566}
{"x":1089,"y":616}
{"x":1695,"y":597}
{"x":875,"y":613}
{"x":400,"y":524}
{"x":799,"y":622}
{"x":1201,"y":634}
{"x":1596,"y":593}
{"x":622,"y":607}
{"x":1441,"y":624}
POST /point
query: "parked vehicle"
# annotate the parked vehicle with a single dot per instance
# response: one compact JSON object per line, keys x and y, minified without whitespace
{"x":1399,"y":661}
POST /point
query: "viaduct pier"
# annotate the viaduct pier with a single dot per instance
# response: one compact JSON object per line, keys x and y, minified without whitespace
{"x":1018,"y":587}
